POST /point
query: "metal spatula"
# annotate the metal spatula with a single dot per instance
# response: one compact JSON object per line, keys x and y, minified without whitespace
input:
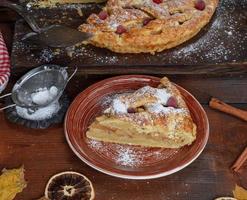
{"x":53,"y":36}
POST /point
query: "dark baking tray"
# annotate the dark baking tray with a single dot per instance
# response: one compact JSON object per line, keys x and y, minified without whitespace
{"x":221,"y":46}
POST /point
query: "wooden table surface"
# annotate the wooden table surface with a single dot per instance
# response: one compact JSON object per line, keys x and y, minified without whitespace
{"x":46,"y":152}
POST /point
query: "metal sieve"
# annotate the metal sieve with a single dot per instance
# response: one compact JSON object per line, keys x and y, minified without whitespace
{"x":45,"y":76}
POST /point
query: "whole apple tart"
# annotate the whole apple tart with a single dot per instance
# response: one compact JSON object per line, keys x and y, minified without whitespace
{"x":136,"y":26}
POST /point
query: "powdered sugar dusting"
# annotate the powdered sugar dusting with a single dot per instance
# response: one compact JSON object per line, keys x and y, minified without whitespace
{"x":40,"y":114}
{"x":158,"y":108}
{"x":130,"y":155}
{"x":80,"y":50}
{"x":122,"y":155}
{"x":36,"y":4}
{"x":95,"y":144}
{"x":119,"y":106}
{"x":46,"y":55}
{"x":43,"y":95}
{"x":121,"y":103}
{"x":212,"y":45}
{"x":126,"y":156}
{"x":162,"y":95}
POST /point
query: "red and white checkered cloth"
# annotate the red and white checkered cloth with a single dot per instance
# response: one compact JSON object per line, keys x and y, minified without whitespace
{"x":4,"y":64}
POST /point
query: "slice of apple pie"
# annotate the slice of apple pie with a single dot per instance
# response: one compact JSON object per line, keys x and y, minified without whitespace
{"x":149,"y":117}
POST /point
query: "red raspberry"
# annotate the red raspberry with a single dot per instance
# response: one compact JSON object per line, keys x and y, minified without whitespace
{"x":146,"y":21}
{"x":158,"y":1}
{"x":103,"y":15}
{"x":172,"y":102}
{"x":200,"y":5}
{"x":121,"y":29}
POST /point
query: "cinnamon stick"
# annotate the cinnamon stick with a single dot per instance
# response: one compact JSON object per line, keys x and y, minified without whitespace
{"x":240,"y":161}
{"x":220,"y":105}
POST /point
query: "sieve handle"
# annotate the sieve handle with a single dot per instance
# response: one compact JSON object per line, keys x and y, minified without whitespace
{"x":6,"y":95}
{"x":71,"y":76}
{"x":9,"y":106}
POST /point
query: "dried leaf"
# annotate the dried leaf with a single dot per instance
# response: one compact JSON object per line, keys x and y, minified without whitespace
{"x":11,"y":182}
{"x":240,"y":193}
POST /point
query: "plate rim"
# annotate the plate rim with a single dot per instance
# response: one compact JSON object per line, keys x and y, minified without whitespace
{"x":138,"y":177}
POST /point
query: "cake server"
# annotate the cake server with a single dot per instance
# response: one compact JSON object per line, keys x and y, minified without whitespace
{"x":53,"y":36}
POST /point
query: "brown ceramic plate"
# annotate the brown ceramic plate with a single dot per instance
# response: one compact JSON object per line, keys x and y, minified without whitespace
{"x":128,"y":161}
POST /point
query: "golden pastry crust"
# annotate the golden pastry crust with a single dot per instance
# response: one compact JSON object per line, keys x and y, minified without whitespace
{"x":152,"y":117}
{"x":54,"y":3}
{"x":172,"y":23}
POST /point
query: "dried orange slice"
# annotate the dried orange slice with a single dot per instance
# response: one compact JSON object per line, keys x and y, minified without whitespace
{"x":69,"y":185}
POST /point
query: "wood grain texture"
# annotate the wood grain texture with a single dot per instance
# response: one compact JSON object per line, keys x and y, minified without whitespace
{"x":230,"y":89}
{"x":45,"y":152}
